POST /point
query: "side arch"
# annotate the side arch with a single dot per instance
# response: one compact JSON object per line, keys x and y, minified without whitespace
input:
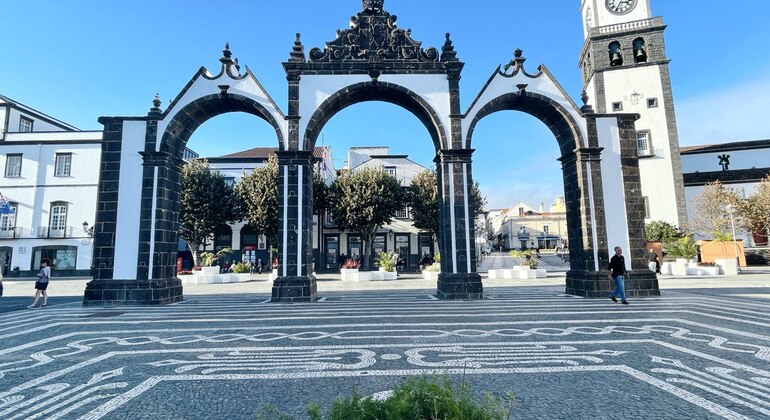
{"x":184,"y":123}
{"x":375,"y":91}
{"x":561,"y":123}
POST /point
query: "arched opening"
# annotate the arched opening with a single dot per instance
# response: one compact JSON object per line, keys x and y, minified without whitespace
{"x":640,"y":51}
{"x":615,"y":53}
{"x":394,"y":138}
{"x":581,"y":232}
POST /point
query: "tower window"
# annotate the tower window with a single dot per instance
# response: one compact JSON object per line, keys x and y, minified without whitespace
{"x":652,"y":102}
{"x":616,"y":58}
{"x":640,"y":51}
{"x":617,"y":106}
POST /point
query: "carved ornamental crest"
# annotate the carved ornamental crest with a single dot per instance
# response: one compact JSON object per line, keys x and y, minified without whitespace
{"x":374,"y":36}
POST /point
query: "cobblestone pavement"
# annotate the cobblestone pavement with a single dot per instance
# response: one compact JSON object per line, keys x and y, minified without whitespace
{"x":689,"y":354}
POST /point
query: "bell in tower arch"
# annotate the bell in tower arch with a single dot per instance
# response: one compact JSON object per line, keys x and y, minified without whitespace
{"x":640,"y":51}
{"x":616,"y":59}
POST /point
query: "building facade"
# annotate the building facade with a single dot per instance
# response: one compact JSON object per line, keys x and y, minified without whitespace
{"x":50,"y":175}
{"x":625,"y":70}
{"x":399,"y":236}
{"x":523,"y":227}
{"x":739,"y":165}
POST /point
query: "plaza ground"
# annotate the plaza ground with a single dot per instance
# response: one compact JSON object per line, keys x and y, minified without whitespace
{"x":701,"y":350}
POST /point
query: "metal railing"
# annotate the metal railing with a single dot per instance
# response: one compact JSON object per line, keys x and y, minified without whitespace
{"x":49,"y":232}
{"x":10,"y":233}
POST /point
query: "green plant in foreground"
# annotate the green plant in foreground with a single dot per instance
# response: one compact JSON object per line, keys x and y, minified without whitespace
{"x":240,"y":268}
{"x":415,"y":399}
{"x":522,"y":256}
{"x":209,"y":258}
{"x":387,"y":261}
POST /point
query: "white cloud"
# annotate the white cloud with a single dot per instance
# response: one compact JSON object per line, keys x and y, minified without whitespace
{"x":733,"y":113}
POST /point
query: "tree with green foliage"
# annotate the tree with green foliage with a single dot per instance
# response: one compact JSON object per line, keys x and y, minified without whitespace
{"x":661,"y":231}
{"x":424,"y":201}
{"x":207,"y":203}
{"x":258,"y":191}
{"x":363,"y":201}
{"x":754,"y":211}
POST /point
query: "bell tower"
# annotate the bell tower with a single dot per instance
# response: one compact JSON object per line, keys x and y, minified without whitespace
{"x":625,"y":70}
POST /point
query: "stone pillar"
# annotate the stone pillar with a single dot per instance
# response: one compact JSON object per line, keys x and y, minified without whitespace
{"x":458,"y":279}
{"x":640,"y":281}
{"x":295,"y":282}
{"x":586,"y":224}
{"x":155,"y":281}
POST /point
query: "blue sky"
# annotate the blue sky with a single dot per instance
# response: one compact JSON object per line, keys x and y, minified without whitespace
{"x":81,"y":59}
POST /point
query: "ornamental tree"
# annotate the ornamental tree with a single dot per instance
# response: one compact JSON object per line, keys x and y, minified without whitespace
{"x":754,"y":211}
{"x":207,"y":203}
{"x":424,"y":201}
{"x":709,"y":210}
{"x":258,"y":191}
{"x":363,"y":201}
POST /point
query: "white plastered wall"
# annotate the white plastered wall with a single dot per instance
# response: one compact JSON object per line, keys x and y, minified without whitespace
{"x":315,"y":89}
{"x":657,"y":173}
{"x":129,"y":200}
{"x":247,"y":86}
{"x":615,"y":213}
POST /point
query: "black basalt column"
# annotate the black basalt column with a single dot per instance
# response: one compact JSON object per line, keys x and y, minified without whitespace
{"x":295,"y":282}
{"x":586,"y":225}
{"x":458,"y":279}
{"x":640,"y":281}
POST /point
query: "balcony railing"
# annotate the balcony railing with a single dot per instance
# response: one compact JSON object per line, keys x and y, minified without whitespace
{"x":49,"y":232}
{"x":10,"y":233}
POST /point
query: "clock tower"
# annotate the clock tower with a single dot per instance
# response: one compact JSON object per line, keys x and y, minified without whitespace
{"x":625,"y":70}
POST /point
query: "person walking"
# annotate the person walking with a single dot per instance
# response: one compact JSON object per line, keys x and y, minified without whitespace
{"x":1,"y":281}
{"x":617,"y":272}
{"x":654,"y":261}
{"x":259,"y":266}
{"x":41,"y":285}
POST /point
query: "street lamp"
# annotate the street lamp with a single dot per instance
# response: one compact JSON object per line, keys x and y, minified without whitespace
{"x":731,"y":211}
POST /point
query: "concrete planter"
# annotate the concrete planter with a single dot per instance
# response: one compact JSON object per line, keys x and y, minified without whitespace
{"x":521,"y":272}
{"x":210,"y":271}
{"x":728,"y":266}
{"x":349,"y":274}
{"x":430,"y":275}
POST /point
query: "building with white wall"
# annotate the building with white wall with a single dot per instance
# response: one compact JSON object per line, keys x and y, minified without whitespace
{"x":625,"y":71}
{"x":399,"y":236}
{"x":739,"y":165}
{"x":50,"y":175}
{"x":522,"y":226}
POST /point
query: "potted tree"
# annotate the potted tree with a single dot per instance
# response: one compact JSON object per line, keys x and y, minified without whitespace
{"x":684,"y":250}
{"x":523,"y":258}
{"x":209,"y":260}
{"x":387,"y":263}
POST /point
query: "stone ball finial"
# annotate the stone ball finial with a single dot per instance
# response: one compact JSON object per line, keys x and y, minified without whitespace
{"x":156,"y":101}
{"x":518,"y":53}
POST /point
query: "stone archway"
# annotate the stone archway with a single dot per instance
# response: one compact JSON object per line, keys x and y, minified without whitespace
{"x":136,"y":232}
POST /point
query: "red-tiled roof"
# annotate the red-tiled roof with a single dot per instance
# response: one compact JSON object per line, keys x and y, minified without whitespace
{"x":265,"y":152}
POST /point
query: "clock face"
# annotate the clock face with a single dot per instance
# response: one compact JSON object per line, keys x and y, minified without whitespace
{"x":621,"y":7}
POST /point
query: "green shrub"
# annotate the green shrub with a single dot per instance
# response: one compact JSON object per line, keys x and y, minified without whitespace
{"x":209,"y":259}
{"x":522,"y":256}
{"x":240,"y":268}
{"x":414,"y":399}
{"x":682,"y":248}
{"x":386,"y":261}
{"x":533,"y":263}
{"x":433,"y":268}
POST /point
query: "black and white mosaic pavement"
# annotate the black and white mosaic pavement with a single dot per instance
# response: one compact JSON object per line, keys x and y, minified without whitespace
{"x":684,"y":355}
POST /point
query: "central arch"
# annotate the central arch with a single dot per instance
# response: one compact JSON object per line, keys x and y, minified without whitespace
{"x":376,"y":91}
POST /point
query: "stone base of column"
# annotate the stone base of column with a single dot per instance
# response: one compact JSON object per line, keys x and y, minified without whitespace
{"x":294,"y":289}
{"x":593,"y":284}
{"x":106,"y":292}
{"x":460,"y":286}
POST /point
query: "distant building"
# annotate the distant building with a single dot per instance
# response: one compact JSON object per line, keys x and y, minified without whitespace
{"x":50,"y":175}
{"x":740,"y":165}
{"x":522,"y":226}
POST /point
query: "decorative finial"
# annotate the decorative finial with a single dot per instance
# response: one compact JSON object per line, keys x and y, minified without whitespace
{"x":518,"y":53}
{"x":297,"y":54}
{"x":448,"y":52}
{"x":373,"y":6}
{"x":237,"y":66}
{"x":226,"y":54}
{"x":586,"y":109}
{"x":518,"y":61}
{"x":156,"y":101}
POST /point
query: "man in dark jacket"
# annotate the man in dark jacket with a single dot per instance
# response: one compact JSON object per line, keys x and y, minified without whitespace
{"x":617,"y":272}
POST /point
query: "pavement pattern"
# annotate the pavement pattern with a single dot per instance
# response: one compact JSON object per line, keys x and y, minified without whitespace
{"x":689,"y":354}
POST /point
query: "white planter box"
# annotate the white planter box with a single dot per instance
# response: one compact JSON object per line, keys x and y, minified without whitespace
{"x":240,"y":277}
{"x":273,"y":275}
{"x":433,"y":275}
{"x":349,"y":274}
{"x":728,"y":266}
{"x":517,"y":272}
{"x":210,"y":271}
{"x":702,"y":271}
